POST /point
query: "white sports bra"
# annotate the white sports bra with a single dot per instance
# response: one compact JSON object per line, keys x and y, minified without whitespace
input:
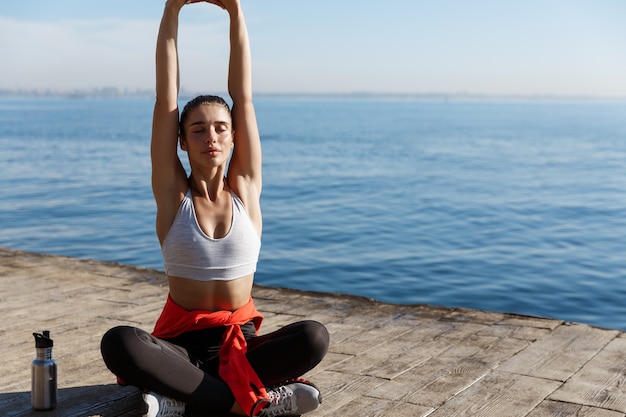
{"x":189,"y":253}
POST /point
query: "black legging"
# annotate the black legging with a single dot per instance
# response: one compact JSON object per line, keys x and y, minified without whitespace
{"x":186,"y":367}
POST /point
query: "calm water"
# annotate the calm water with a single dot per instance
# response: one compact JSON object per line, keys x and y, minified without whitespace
{"x":514,"y":207}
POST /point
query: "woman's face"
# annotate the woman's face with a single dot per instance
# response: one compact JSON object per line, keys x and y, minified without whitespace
{"x":208,"y":138}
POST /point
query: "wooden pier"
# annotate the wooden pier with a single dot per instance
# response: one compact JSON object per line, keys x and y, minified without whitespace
{"x":384,"y":360}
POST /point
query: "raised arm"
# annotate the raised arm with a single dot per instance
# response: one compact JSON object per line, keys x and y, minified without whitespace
{"x":168,"y":174}
{"x":245,"y":167}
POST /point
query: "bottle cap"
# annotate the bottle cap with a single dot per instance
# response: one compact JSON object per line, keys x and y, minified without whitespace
{"x":43,"y":340}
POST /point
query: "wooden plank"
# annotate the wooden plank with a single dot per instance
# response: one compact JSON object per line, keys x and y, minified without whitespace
{"x":366,"y":339}
{"x":562,"y":409}
{"x":430,"y":384}
{"x":534,"y":322}
{"x":450,"y":372}
{"x":78,"y":402}
{"x":515,"y":331}
{"x":498,"y":394}
{"x":330,"y":360}
{"x":407,"y":410}
{"x":463,"y":315}
{"x":600,"y":383}
{"x":338,"y":390}
{"x":345,"y":329}
{"x":560,"y":354}
{"x":364,"y":406}
{"x":387,"y":360}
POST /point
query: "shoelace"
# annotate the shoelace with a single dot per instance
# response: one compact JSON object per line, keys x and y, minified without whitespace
{"x":171,"y":408}
{"x":280,"y":402}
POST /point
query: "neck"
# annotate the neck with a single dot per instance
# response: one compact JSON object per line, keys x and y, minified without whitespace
{"x":208,"y":187}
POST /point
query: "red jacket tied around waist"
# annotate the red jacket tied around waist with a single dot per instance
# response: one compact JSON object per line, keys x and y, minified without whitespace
{"x":234,"y":367}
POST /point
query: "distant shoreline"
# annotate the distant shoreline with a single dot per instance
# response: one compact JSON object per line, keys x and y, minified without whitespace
{"x":113,"y":92}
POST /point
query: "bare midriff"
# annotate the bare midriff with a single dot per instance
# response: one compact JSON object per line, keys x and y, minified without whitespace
{"x":211,"y":295}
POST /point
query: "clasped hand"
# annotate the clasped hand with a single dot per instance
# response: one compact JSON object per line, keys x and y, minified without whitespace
{"x":221,"y":3}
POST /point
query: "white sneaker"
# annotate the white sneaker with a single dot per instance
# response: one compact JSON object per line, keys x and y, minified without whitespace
{"x":290,"y":400}
{"x":161,"y":406}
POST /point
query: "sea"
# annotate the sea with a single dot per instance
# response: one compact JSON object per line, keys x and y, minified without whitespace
{"x":512,"y":206}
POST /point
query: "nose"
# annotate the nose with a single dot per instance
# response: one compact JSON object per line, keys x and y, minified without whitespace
{"x":211,"y":136}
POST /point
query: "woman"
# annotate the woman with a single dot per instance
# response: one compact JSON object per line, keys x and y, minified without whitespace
{"x":204,"y":355}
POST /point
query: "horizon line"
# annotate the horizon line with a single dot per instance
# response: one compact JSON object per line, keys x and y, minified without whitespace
{"x":112,"y":92}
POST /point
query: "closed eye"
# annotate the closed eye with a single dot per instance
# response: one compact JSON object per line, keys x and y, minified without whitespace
{"x":221,"y":127}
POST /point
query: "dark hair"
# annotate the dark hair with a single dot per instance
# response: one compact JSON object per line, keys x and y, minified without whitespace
{"x":196,"y":102}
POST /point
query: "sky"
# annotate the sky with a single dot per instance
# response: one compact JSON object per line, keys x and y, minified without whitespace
{"x":493,"y":47}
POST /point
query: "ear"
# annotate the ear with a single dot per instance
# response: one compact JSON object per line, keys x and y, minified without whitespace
{"x":183,"y":143}
{"x":232,"y":143}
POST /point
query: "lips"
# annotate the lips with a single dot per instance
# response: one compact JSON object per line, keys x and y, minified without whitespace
{"x":211,"y":151}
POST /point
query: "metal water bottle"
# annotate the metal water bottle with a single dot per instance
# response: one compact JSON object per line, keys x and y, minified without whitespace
{"x":44,"y":374}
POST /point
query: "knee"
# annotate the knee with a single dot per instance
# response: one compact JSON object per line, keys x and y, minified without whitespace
{"x":115,"y":339}
{"x":317,"y":338}
{"x":115,"y":347}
